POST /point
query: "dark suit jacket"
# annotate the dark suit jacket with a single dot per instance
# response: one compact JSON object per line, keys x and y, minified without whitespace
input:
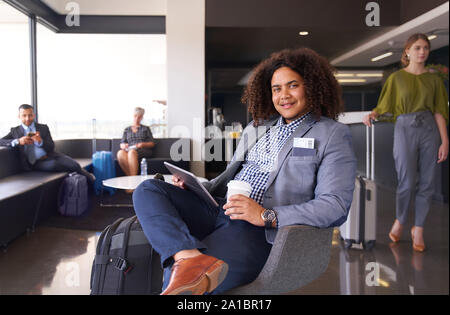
{"x":17,"y":132}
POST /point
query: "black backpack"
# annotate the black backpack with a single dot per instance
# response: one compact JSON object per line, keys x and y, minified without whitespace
{"x":125,"y":262}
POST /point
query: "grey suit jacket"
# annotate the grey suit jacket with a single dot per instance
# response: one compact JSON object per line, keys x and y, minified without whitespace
{"x":314,"y":190}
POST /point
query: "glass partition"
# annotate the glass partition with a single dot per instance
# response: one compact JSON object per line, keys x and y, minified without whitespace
{"x":82,"y":77}
{"x":15,"y":84}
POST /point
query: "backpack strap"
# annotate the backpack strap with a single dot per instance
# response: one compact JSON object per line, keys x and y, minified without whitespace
{"x":121,"y":262}
{"x":102,"y":257}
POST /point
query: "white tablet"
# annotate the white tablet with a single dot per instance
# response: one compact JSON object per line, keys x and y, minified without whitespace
{"x":192,"y":182}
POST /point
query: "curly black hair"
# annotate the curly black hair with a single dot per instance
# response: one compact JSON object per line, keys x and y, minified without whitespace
{"x":323,"y":93}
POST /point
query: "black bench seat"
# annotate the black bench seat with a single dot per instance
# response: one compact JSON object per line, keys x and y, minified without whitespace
{"x":20,"y":183}
{"x":26,"y":197}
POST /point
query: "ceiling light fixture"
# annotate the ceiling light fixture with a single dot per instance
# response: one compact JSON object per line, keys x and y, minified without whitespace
{"x":303,"y":33}
{"x":376,"y":75}
{"x":381,"y":56}
{"x":340,"y":75}
{"x":436,"y":32}
{"x":352,"y":80}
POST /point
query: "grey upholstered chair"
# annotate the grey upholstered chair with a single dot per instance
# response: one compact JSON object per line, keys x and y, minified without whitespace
{"x":299,"y":255}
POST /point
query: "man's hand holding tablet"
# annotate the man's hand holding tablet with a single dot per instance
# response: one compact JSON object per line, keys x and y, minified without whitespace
{"x":178,"y":181}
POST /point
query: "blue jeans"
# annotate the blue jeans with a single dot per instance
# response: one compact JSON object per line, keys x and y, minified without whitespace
{"x":174,"y":219}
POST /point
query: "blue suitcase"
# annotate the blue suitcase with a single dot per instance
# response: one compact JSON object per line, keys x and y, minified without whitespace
{"x":103,"y":164}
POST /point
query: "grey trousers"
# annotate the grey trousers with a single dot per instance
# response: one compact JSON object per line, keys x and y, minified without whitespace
{"x":416,"y":145}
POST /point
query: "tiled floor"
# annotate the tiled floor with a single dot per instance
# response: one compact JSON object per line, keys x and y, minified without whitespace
{"x":59,"y":261}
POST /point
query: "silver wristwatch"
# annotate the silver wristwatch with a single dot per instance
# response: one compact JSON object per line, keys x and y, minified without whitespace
{"x":268,"y":216}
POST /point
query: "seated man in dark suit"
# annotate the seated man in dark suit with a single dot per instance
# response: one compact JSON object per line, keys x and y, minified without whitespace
{"x":36,"y":146}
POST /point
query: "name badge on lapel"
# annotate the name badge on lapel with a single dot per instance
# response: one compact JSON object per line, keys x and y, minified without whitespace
{"x":303,"y":147}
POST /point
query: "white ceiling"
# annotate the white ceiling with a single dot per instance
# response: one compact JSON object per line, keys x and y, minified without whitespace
{"x":111,"y":7}
{"x":436,"y":19}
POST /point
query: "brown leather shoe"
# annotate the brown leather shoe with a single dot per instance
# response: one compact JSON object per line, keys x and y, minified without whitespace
{"x":196,"y":275}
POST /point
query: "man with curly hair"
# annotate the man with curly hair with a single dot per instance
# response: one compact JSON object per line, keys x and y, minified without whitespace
{"x":298,"y":160}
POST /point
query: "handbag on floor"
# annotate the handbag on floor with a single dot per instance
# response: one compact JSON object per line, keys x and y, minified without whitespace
{"x":125,"y":262}
{"x":73,"y":196}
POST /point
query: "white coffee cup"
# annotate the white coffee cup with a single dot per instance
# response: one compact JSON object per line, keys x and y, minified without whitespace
{"x":238,"y":187}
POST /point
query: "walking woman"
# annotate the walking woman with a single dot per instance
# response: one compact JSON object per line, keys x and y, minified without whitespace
{"x":418,"y":101}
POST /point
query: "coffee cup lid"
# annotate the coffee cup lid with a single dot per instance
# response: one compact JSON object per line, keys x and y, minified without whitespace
{"x":241,"y":184}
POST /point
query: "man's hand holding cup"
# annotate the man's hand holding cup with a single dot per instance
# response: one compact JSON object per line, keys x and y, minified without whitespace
{"x":240,"y":206}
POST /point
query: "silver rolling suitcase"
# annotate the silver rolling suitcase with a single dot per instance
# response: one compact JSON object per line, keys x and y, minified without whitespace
{"x":360,"y":228}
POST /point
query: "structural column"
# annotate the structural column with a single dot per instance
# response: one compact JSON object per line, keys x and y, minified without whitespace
{"x":185,"y":31}
{"x":33,"y":64}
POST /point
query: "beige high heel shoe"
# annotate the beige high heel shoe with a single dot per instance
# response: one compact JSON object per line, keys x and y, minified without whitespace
{"x":416,"y":247}
{"x":395,"y":238}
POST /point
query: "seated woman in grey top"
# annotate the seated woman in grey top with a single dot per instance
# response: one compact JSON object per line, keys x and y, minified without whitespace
{"x":137,"y":143}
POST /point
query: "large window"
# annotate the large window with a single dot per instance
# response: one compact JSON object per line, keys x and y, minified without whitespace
{"x":82,"y":77}
{"x":15,"y":86}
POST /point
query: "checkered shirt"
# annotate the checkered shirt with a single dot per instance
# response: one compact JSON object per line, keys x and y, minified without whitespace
{"x":262,"y":157}
{"x":143,"y":134}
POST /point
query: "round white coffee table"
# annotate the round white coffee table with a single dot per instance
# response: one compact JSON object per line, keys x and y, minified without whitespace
{"x":131,"y":182}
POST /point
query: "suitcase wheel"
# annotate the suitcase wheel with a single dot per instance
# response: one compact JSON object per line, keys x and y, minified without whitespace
{"x":348,"y":244}
{"x":369,"y":244}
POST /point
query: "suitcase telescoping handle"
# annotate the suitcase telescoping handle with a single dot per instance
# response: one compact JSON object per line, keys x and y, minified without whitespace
{"x":94,"y":135}
{"x":370,"y":151}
